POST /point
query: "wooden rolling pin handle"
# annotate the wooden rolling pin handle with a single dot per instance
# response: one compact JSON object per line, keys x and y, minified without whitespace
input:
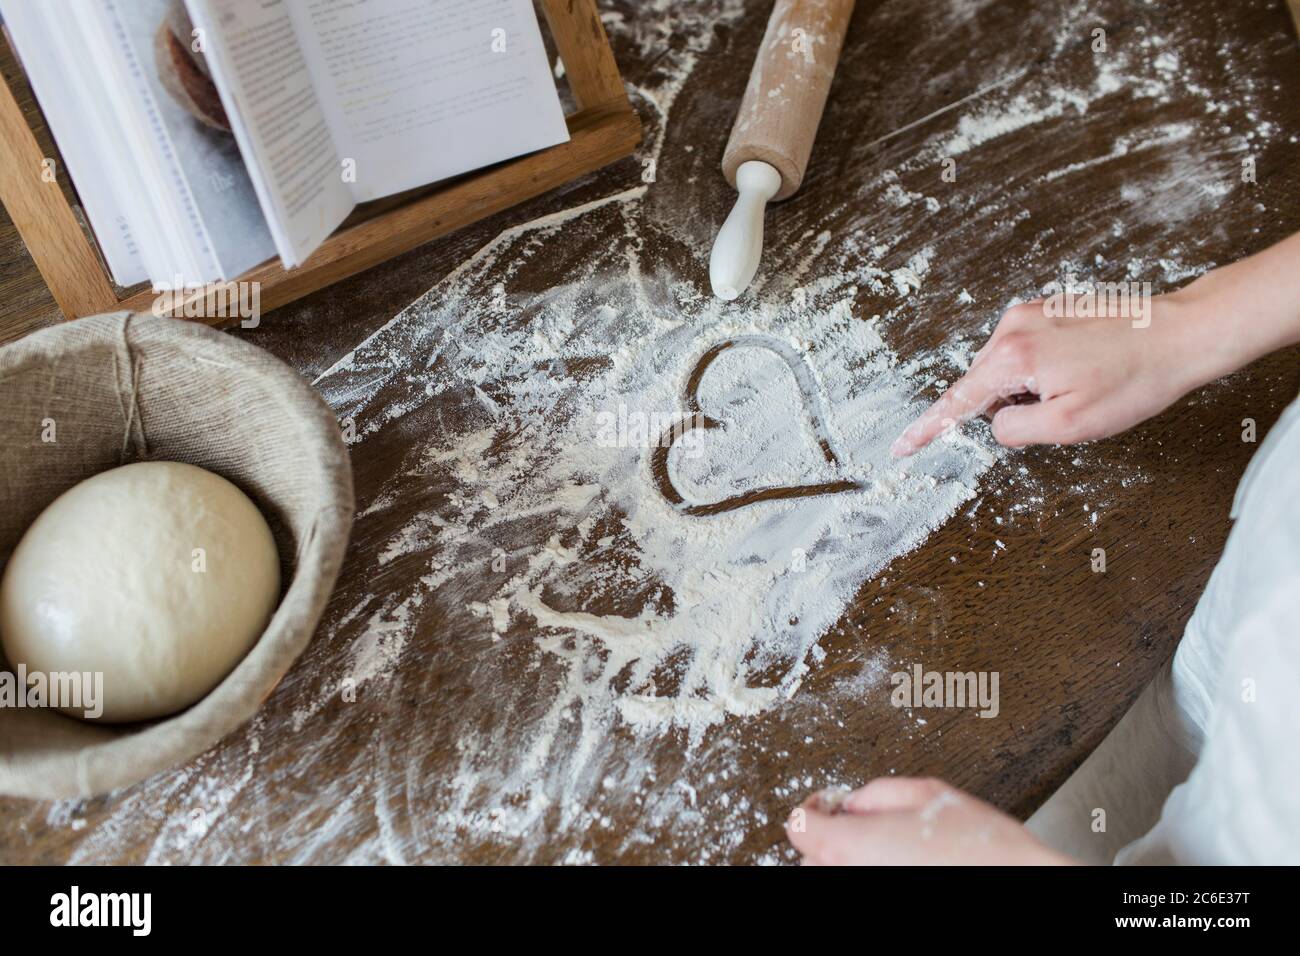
{"x":787,"y":89}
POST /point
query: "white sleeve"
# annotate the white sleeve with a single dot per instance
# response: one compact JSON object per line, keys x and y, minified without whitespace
{"x":1241,"y":803}
{"x":1117,"y":793}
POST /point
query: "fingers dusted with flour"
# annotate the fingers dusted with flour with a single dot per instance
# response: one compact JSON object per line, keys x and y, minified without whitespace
{"x":826,"y":835}
{"x":910,"y":821}
{"x":1002,"y":370}
{"x":972,"y":396}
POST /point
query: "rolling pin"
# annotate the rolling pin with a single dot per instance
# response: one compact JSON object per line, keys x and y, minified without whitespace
{"x":773,"y":135}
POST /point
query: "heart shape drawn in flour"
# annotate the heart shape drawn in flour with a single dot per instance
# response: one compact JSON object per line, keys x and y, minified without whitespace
{"x":697,"y":419}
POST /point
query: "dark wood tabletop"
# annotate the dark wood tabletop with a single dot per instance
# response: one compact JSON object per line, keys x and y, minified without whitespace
{"x":1119,"y":163}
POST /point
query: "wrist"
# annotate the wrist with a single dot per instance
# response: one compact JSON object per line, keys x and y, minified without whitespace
{"x":1244,"y":311}
{"x":1214,"y":333}
{"x":1188,"y":343}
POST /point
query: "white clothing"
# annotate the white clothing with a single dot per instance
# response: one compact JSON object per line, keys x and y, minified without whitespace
{"x":1203,"y":769}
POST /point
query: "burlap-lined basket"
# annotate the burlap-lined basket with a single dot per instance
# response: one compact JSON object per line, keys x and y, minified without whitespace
{"x":121,"y":388}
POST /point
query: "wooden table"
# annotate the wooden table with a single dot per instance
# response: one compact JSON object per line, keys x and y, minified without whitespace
{"x":1073,"y":647}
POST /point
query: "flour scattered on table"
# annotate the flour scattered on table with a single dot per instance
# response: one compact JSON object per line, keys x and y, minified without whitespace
{"x":669,"y":643}
{"x":653,"y":620}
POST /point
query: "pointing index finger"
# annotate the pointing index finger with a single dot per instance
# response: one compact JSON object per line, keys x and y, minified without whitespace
{"x":986,"y":383}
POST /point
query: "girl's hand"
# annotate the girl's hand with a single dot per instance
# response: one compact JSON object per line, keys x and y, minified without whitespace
{"x":1063,"y":380}
{"x":910,"y":821}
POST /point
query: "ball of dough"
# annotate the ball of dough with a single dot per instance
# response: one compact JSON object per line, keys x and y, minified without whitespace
{"x":160,"y":575}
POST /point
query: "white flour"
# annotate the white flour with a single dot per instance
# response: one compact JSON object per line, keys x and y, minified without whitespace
{"x":726,"y":609}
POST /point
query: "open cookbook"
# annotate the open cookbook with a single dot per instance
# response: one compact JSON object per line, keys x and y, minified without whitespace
{"x":206,"y":136}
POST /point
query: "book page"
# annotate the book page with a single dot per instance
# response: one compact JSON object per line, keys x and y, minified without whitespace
{"x":266,"y":89}
{"x":421,"y":90}
{"x":76,"y":120}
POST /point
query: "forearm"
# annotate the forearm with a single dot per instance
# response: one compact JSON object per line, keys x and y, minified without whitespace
{"x":1239,"y":313}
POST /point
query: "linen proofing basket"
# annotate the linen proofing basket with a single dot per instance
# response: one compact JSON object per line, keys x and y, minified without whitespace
{"x":113,"y":389}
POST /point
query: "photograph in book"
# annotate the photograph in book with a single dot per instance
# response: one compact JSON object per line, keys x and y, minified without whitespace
{"x":216,"y":188}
